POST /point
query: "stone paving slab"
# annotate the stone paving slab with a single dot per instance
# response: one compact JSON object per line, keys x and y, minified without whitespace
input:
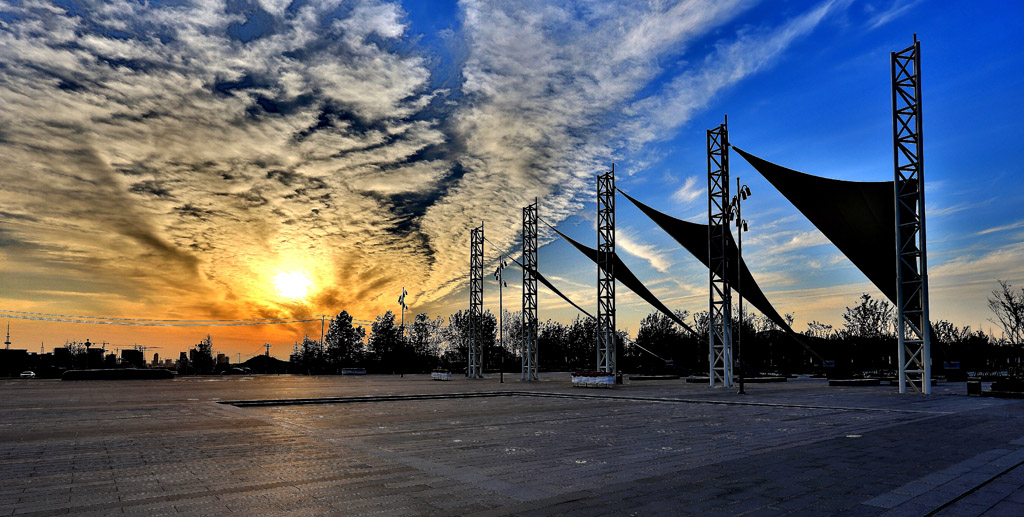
{"x":410,"y":446}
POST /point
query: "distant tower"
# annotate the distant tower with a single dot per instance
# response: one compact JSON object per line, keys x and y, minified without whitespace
{"x":7,"y":342}
{"x":267,"y":346}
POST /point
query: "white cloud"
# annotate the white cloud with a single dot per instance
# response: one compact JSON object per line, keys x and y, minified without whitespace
{"x":994,"y":229}
{"x":689,"y":192}
{"x":751,"y":52}
{"x":799,"y":241}
{"x":896,"y":9}
{"x":648,"y":252}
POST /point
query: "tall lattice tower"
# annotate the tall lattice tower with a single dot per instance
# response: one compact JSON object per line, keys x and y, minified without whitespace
{"x":912,"y":262}
{"x":720,"y":308}
{"x":476,"y":301}
{"x":606,"y":353}
{"x":529,"y":350}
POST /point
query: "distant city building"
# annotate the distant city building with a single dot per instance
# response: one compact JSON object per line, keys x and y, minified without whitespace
{"x":94,"y":357}
{"x":62,"y":357}
{"x":133,"y":358}
{"x":13,"y":361}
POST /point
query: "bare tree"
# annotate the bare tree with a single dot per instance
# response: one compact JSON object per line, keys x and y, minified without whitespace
{"x":1008,"y":307}
{"x":819,"y":330}
{"x":870,"y":318}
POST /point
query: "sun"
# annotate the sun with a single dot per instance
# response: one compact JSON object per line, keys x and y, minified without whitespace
{"x":294,"y":285}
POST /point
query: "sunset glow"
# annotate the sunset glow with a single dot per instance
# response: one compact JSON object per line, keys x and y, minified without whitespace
{"x":223,"y":161}
{"x":294,"y":285}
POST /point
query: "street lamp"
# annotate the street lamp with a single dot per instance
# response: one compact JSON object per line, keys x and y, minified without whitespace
{"x":736,"y":214}
{"x":501,"y":331}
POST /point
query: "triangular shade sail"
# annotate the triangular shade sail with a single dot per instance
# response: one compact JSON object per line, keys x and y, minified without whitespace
{"x":857,"y":216}
{"x":628,"y":279}
{"x":552,"y":287}
{"x":694,"y":237}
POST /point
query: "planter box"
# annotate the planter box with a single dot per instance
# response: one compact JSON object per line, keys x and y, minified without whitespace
{"x":974,"y":388}
{"x":854,"y":382}
{"x":593,"y":380}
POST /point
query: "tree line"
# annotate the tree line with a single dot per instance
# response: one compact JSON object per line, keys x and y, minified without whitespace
{"x":865,"y":343}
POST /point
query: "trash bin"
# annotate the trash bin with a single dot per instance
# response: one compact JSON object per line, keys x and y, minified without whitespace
{"x":974,"y":388}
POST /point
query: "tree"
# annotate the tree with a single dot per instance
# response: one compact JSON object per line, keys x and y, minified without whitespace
{"x":202,"y":359}
{"x":487,"y":336}
{"x":660,"y":336}
{"x":437,"y":339}
{"x":310,"y":355}
{"x":869,"y":319}
{"x":386,"y":342}
{"x":423,"y":342}
{"x":1008,"y":307}
{"x":701,"y":323}
{"x":512,"y":323}
{"x":420,"y":334}
{"x":344,"y":342}
{"x":460,"y":333}
{"x":819,"y":330}
{"x":946,"y":333}
{"x":580,"y":342}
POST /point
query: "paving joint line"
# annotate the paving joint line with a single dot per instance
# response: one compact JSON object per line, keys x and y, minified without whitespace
{"x":491,"y":394}
{"x":973,"y":490}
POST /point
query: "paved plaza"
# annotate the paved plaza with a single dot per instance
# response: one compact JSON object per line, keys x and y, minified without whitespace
{"x":409,"y":446}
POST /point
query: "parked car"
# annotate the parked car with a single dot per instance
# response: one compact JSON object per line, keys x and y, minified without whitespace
{"x":28,"y":375}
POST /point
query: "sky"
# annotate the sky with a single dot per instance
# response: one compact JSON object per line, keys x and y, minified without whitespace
{"x":251,"y":159}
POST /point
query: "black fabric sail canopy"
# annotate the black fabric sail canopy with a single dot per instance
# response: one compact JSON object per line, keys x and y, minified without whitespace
{"x":694,"y":237}
{"x":549,"y":285}
{"x":628,"y":279}
{"x":857,"y":216}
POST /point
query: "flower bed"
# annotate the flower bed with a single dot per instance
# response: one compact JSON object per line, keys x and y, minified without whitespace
{"x":593,"y":379}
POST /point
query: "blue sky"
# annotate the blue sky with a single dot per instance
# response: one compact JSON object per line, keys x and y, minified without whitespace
{"x":174,"y":158}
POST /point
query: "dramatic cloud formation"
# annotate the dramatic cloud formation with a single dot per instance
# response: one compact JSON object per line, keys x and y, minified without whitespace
{"x":173,"y":159}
